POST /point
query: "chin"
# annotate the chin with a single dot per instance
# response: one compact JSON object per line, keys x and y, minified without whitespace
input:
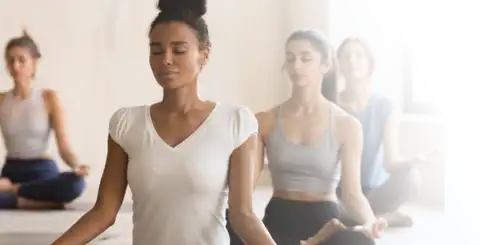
{"x":301,"y":84}
{"x":170,"y":84}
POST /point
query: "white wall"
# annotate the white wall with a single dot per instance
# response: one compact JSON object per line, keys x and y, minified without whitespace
{"x":96,"y":57}
{"x":95,"y":54}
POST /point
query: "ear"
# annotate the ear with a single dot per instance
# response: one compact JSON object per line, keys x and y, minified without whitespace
{"x":325,"y":67}
{"x":204,"y":55}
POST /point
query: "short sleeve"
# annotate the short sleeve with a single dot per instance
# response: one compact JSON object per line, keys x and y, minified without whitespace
{"x":246,"y":125}
{"x":117,"y":125}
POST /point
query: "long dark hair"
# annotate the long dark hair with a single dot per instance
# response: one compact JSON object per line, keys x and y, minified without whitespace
{"x":321,"y":45}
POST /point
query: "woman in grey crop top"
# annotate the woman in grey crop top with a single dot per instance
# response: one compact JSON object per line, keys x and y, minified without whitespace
{"x":387,"y":182}
{"x":305,"y":138}
{"x":30,"y":178}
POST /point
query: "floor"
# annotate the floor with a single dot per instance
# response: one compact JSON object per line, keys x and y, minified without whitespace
{"x":40,"y":228}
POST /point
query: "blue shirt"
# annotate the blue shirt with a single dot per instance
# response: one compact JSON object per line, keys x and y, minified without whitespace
{"x":373,"y":118}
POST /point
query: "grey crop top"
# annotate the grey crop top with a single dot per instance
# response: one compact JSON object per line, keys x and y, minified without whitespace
{"x":25,"y":125}
{"x":312,"y":168}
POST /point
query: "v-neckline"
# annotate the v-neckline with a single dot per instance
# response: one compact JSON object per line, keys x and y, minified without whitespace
{"x":188,"y":138}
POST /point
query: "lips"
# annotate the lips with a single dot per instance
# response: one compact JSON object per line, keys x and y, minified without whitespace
{"x":168,"y":74}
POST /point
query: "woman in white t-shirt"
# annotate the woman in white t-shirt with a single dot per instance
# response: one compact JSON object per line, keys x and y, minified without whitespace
{"x":181,"y":155}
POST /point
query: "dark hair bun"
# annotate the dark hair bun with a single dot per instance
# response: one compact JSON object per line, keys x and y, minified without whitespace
{"x":195,"y":7}
{"x":25,"y":34}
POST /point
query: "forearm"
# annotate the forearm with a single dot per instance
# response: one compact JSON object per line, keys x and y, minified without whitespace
{"x":92,"y":224}
{"x":359,"y":207}
{"x":399,"y":164}
{"x":69,"y":158}
{"x":250,"y":229}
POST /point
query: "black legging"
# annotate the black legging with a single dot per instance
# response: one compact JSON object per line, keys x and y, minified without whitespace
{"x":289,"y":222}
{"x":40,"y":180}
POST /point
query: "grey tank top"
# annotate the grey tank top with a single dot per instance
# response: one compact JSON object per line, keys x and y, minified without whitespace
{"x":25,"y":125}
{"x":312,"y":168}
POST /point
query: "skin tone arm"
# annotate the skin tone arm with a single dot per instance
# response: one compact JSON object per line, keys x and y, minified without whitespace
{"x":110,"y":197}
{"x":246,"y":224}
{"x":351,"y":151}
{"x":57,"y":118}
{"x":262,"y":119}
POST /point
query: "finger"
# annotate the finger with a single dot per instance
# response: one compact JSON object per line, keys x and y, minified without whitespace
{"x":326,"y":232}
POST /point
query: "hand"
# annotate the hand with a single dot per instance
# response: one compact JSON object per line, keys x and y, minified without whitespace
{"x":373,"y":230}
{"x":326,"y":232}
{"x":82,"y":170}
{"x":5,"y":185}
{"x":425,"y":158}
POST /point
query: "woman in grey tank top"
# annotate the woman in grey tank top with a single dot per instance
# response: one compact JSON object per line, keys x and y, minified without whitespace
{"x":386,"y":181}
{"x":305,"y":138}
{"x":30,"y":179}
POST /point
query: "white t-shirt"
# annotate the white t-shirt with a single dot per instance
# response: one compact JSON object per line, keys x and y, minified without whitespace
{"x":180,"y":193}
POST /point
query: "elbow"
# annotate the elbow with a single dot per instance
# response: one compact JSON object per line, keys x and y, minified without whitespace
{"x":388,"y":167}
{"x":64,"y":150}
{"x":106,"y":216}
{"x":352,"y":198}
{"x":239,"y":218}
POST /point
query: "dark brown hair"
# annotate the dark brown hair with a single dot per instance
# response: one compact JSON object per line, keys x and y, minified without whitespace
{"x":366,"y":48}
{"x":24,"y":41}
{"x":321,"y":45}
{"x":189,"y":12}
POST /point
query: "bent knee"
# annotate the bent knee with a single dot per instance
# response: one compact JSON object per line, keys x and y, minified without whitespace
{"x":411,"y":179}
{"x":72,"y":187}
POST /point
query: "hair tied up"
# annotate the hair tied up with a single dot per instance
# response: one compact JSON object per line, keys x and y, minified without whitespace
{"x":198,"y":8}
{"x":25,"y":34}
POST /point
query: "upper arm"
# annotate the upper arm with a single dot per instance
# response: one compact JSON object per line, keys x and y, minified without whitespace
{"x":351,"y":155}
{"x":263,"y":119}
{"x":2,"y":96}
{"x":243,"y":162}
{"x":390,"y":137}
{"x":114,"y":178}
{"x":57,"y":117}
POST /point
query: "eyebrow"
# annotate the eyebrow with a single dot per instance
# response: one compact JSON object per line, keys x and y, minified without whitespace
{"x":159,"y":44}
{"x":301,"y":53}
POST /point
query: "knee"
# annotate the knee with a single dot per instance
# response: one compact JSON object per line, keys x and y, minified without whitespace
{"x":410,"y":179}
{"x":73,"y":186}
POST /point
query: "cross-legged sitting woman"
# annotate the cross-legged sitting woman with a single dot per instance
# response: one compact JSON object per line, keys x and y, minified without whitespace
{"x":30,"y":179}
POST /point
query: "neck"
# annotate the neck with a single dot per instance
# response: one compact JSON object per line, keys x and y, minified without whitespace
{"x":357,"y":90}
{"x":307,"y":98}
{"x":22,"y":89}
{"x":181,"y":100}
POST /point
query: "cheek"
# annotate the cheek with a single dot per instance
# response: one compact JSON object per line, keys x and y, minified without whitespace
{"x":366,"y":67}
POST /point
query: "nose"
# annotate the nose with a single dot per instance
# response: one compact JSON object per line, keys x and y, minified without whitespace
{"x":167,"y":58}
{"x":297,"y":65}
{"x":16,"y":66}
{"x":352,"y":58}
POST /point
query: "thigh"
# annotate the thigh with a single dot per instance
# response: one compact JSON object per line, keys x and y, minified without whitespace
{"x":394,"y":192}
{"x":289,"y":221}
{"x":349,"y":237}
{"x":21,"y":171}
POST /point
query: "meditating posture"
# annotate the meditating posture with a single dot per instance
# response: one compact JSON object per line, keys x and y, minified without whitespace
{"x":182,"y":157}
{"x":386,"y":181}
{"x":30,"y":178}
{"x":304,"y":138}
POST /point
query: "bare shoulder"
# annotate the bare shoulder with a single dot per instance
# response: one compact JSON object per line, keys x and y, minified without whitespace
{"x":50,"y":96}
{"x":345,"y":125}
{"x":266,"y":121}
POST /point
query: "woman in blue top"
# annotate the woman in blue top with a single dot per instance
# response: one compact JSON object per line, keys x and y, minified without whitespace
{"x":386,"y":181}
